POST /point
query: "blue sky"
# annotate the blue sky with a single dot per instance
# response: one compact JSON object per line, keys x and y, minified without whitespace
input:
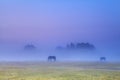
{"x":51,"y":23}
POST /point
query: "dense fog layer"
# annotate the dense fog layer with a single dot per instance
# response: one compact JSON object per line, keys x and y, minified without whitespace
{"x":18,"y":53}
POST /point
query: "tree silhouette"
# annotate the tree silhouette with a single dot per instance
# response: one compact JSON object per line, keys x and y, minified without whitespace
{"x":71,"y":46}
{"x":29,"y":47}
{"x":59,"y":48}
{"x":80,"y":46}
{"x":85,"y":46}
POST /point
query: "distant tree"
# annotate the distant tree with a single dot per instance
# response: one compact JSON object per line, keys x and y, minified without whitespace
{"x":71,"y":46}
{"x":59,"y":48}
{"x":29,"y":47}
{"x":87,"y":46}
{"x":78,"y":46}
{"x":68,"y":46}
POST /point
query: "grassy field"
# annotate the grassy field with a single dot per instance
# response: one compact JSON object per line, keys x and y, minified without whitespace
{"x":59,"y":71}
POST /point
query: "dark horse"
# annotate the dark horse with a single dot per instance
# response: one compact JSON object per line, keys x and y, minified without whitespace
{"x":51,"y":58}
{"x":102,"y":59}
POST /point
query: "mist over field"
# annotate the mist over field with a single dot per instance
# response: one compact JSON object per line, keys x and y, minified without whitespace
{"x":41,"y":54}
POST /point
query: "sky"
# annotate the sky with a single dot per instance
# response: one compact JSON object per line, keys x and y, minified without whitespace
{"x":50,"y":23}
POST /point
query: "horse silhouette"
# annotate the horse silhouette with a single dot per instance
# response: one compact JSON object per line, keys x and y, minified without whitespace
{"x":102,"y":59}
{"x":51,"y":58}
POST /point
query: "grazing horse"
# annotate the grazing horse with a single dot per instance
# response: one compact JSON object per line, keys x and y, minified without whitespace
{"x":51,"y":58}
{"x":102,"y":59}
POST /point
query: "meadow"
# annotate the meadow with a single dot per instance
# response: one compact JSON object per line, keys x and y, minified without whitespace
{"x":59,"y":71}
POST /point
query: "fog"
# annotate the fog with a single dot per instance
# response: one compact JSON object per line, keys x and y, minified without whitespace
{"x":49,"y":24}
{"x":17,"y":53}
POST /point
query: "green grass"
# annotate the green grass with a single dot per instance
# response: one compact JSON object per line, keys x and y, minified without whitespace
{"x":59,"y":71}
